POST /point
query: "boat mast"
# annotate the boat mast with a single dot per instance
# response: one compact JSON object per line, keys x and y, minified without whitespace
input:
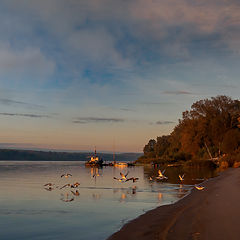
{"x":114,"y":152}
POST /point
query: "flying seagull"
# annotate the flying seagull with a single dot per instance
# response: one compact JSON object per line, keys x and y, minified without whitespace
{"x":181,"y":177}
{"x":48,"y":184}
{"x":75,"y":193}
{"x":160,"y":175}
{"x":199,"y":188}
{"x":119,"y":179}
{"x":66,"y":175}
{"x":74,"y":185}
{"x":48,"y":188}
{"x":124,"y":177}
{"x":133,"y":179}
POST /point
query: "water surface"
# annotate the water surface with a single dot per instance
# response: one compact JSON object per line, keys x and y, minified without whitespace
{"x":28,"y":210}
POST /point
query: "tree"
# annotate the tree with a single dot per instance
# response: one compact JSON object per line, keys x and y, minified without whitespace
{"x":211,"y":126}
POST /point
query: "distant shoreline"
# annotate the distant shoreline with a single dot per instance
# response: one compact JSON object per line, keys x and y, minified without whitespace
{"x":212,"y":213}
{"x":32,"y":155}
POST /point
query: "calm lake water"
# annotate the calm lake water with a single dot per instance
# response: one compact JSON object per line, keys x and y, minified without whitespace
{"x":28,"y":210}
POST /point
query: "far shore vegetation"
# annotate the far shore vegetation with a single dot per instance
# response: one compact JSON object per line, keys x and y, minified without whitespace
{"x":208,"y":132}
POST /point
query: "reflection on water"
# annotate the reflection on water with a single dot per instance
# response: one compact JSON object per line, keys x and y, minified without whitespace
{"x":66,"y":200}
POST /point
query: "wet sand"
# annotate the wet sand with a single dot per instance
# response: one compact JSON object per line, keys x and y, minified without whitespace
{"x":213,"y":213}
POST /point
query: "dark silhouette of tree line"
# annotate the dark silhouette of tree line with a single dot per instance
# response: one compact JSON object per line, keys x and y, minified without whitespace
{"x":210,"y":129}
{"x":31,"y":155}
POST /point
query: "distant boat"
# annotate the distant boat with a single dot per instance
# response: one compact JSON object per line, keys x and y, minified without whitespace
{"x":94,"y":160}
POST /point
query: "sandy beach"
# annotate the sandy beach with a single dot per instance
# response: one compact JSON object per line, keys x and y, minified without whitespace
{"x":212,"y":213}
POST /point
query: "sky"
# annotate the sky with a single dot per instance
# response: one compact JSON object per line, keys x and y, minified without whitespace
{"x":75,"y":74}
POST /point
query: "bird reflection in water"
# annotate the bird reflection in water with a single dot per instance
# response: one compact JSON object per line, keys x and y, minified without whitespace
{"x":96,"y":196}
{"x":181,"y":191}
{"x":134,"y":188}
{"x":123,"y":197}
{"x":95,"y":173}
{"x":125,"y":192}
{"x":160,"y":196}
{"x":66,"y":197}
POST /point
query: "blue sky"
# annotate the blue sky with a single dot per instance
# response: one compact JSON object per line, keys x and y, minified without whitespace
{"x":78,"y":74}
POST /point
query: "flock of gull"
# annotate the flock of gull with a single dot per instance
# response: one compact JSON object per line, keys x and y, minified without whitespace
{"x":69,"y":197}
{"x":65,"y":197}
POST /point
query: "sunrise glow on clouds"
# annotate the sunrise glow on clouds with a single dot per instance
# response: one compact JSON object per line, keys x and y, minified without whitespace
{"x":75,"y":74}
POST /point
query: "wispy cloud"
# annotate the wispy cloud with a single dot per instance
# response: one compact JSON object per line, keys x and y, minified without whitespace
{"x":177,"y":92}
{"x":164,"y":122}
{"x":24,"y":115}
{"x":127,"y":109}
{"x":6,"y":101}
{"x":97,"y":120}
{"x":157,"y":103}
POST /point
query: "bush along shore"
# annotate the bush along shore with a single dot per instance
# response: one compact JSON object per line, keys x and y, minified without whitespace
{"x":208,"y":132}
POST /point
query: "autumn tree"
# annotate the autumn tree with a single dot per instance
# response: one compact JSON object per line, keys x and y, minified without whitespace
{"x":210,"y":127}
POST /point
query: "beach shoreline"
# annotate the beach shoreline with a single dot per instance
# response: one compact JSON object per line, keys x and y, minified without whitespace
{"x":212,"y":213}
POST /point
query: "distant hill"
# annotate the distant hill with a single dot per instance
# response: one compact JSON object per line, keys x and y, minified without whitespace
{"x":31,"y":155}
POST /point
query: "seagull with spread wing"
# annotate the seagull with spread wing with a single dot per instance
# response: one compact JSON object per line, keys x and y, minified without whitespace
{"x":181,"y":177}
{"x":199,"y":187}
{"x":160,"y":175}
{"x":123,"y":177}
{"x":66,"y":175}
{"x":134,"y":179}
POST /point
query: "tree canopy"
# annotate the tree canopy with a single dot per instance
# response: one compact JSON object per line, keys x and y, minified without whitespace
{"x":210,"y":128}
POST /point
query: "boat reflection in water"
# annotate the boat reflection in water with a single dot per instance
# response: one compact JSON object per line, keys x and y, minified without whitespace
{"x":121,"y":164}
